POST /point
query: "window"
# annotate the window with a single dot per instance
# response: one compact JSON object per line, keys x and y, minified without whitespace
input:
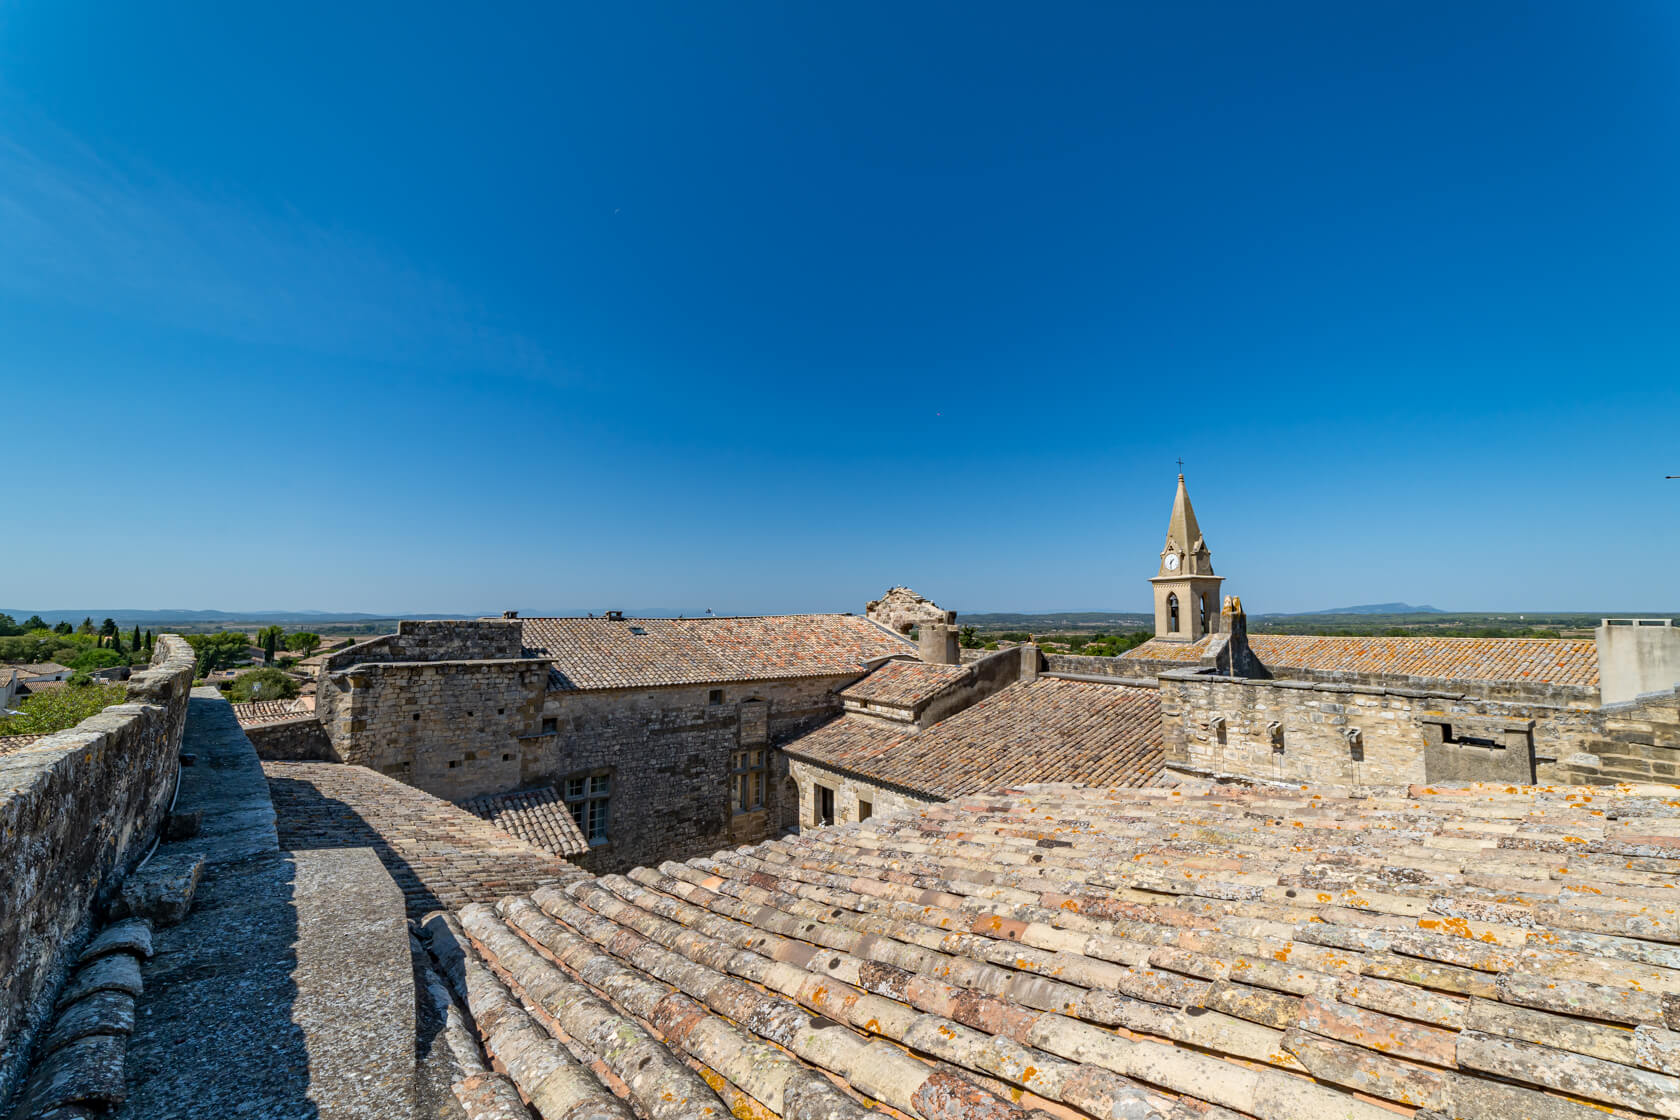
{"x":1206,"y":616}
{"x":550,"y":725}
{"x":715,"y":696}
{"x":747,"y":767}
{"x":587,"y":797}
{"x":1172,"y":614}
{"x":866,"y":809}
{"x":825,"y":805}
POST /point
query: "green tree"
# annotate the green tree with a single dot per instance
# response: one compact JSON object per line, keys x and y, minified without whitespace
{"x":107,"y":628}
{"x":134,"y":639}
{"x":9,"y":626}
{"x":64,"y":628}
{"x":304,"y":642}
{"x":56,"y":709}
{"x":262,"y":684}
{"x":116,"y":643}
{"x":34,"y":622}
{"x":148,"y":641}
{"x":86,"y":627}
{"x":217,"y":651}
{"x":269,"y":638}
{"x":968,"y":638}
{"x":97,"y":658}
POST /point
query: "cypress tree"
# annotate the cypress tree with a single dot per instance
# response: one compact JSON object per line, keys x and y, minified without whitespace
{"x":134,"y":639}
{"x":148,"y":641}
{"x":116,"y":641}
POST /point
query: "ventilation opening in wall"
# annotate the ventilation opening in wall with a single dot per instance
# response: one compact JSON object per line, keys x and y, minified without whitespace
{"x":454,"y":764}
{"x":501,"y":711}
{"x":507,"y":758}
{"x":1447,"y":736}
{"x":715,"y":696}
{"x":416,"y":717}
{"x":550,"y":726}
{"x":471,"y":756}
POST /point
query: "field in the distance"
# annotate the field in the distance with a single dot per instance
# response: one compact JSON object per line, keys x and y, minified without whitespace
{"x":1505,"y":624}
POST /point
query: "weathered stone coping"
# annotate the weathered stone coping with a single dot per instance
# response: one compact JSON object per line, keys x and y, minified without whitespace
{"x":1091,"y":678}
{"x":476,"y":663}
{"x":77,"y":811}
{"x":1192,"y":676}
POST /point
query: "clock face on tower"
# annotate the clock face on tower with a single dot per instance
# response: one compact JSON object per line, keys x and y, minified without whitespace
{"x":1172,"y":562}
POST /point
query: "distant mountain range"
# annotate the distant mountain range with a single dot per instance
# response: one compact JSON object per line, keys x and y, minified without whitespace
{"x":1380,"y":608}
{"x":130,"y":616}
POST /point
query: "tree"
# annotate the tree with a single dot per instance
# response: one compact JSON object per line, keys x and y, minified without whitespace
{"x":269,"y":638}
{"x":262,"y":684}
{"x":97,"y":659}
{"x":60,"y":708}
{"x":134,"y":638}
{"x":304,"y":642}
{"x":148,"y":641}
{"x":34,"y":622}
{"x":86,"y":627}
{"x":9,"y":626}
{"x":108,"y":627}
{"x":116,"y":642}
{"x":217,"y":651}
{"x":64,"y":628}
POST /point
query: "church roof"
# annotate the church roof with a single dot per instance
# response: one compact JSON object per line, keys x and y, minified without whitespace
{"x":1539,"y":660}
{"x":1044,"y":730}
{"x":1120,"y":954}
{"x":604,"y":653}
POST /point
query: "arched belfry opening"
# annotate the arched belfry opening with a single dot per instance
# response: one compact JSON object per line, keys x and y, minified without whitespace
{"x":1172,"y":614}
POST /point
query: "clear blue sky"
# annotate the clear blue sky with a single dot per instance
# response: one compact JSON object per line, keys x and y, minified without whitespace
{"x":437,"y":307}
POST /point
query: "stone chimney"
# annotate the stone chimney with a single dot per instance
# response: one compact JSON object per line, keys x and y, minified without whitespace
{"x":937,"y":644}
{"x":510,"y":614}
{"x":615,"y":616}
{"x":1029,"y":662}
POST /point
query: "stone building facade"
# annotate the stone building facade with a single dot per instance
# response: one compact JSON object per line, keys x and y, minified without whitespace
{"x":661,"y":735}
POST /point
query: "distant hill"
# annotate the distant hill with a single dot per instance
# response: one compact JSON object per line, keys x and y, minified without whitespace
{"x":1380,"y":608}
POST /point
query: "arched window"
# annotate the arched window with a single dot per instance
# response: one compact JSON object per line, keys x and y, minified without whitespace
{"x":1172,"y":614}
{"x":1207,"y":611}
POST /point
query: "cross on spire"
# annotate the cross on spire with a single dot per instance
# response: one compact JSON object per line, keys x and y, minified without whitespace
{"x":1181,"y":466}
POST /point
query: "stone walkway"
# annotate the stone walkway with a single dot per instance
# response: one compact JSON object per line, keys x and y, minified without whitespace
{"x":441,"y":856}
{"x":287,"y":992}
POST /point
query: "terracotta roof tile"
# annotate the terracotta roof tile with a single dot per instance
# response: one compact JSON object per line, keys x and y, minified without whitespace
{"x":1120,"y":954}
{"x":537,"y":816}
{"x":1566,"y":661}
{"x":905,"y":684}
{"x":1041,"y":731}
{"x":600,"y":653}
{"x":254,"y":713}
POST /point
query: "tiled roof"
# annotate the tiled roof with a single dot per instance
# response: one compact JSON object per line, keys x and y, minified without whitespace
{"x":254,"y":713}
{"x":1046,"y":730}
{"x":536,"y":816}
{"x":13,"y":744}
{"x":598,"y":653}
{"x":905,"y":684}
{"x":1566,"y":661}
{"x":1492,"y":953}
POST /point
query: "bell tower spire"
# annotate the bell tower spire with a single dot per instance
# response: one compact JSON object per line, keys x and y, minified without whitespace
{"x":1186,"y":590}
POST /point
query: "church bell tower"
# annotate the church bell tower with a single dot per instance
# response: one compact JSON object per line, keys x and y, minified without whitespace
{"x":1186,"y":590}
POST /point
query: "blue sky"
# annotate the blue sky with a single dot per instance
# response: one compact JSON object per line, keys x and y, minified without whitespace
{"x":764,"y":307}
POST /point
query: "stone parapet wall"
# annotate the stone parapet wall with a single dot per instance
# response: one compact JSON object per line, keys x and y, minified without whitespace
{"x":292,"y":740}
{"x":78,"y":810}
{"x":1347,"y":734}
{"x":486,"y":639}
{"x":1520,"y":692}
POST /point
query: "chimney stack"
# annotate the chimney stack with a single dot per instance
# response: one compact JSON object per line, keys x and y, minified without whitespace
{"x":510,"y":614}
{"x":615,"y":616}
{"x":937,"y":643}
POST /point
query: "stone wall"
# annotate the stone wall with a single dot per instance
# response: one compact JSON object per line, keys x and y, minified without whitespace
{"x":849,"y":791}
{"x":1121,"y":668}
{"x":1353,"y":734}
{"x":455,"y":729}
{"x":668,"y":751}
{"x":485,"y":639}
{"x":77,"y":811}
{"x":292,"y":740}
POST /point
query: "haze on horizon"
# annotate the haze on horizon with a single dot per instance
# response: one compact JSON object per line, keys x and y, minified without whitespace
{"x":757,"y":309}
